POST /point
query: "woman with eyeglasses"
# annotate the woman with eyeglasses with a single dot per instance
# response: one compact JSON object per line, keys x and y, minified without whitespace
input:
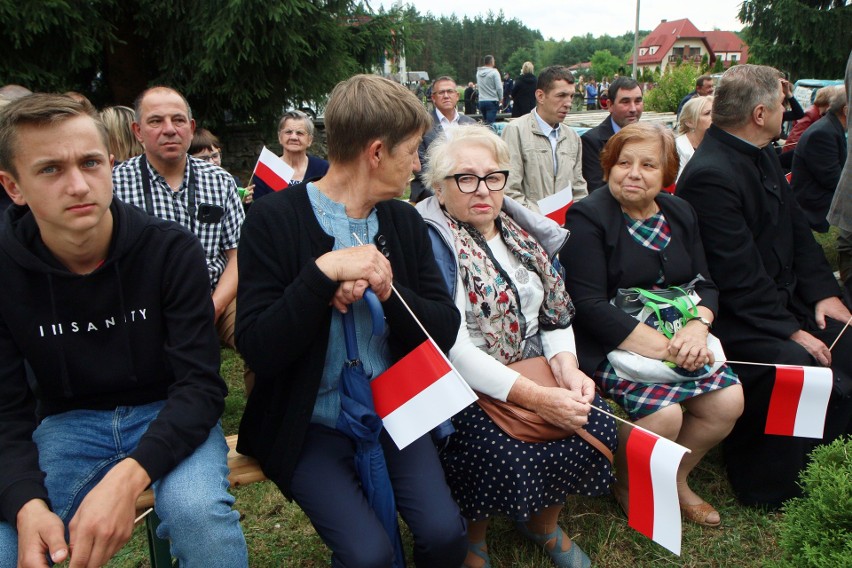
{"x":496,"y":257}
{"x":296,"y":134}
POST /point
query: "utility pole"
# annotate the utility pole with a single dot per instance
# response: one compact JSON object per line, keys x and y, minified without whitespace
{"x":636,"y":41}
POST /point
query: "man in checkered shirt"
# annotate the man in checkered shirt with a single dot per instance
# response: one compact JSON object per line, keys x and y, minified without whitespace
{"x":167,"y":182}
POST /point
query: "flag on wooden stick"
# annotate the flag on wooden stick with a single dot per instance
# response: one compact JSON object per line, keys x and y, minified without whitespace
{"x":654,"y":508}
{"x":418,"y":392}
{"x":799,"y":401}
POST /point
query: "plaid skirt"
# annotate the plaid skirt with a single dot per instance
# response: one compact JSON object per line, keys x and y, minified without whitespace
{"x":641,"y":399}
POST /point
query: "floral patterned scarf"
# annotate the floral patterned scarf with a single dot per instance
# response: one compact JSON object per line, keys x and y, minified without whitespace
{"x":492,"y":294}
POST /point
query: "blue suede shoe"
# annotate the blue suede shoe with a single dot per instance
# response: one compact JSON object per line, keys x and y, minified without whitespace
{"x":574,"y":557}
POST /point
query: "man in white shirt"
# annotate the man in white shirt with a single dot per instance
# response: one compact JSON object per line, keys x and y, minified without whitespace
{"x":546,"y":155}
{"x":445,"y":98}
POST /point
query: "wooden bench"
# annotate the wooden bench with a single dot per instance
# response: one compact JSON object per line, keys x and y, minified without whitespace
{"x":244,"y":471}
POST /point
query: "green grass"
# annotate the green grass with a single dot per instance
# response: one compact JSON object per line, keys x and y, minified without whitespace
{"x":828,"y":241}
{"x":279,"y":534}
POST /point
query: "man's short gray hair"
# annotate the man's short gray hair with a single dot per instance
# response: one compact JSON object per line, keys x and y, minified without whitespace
{"x":742,"y":88}
{"x":837,"y":100}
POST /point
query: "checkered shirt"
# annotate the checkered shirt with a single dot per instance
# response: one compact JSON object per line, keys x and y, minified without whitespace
{"x":213,"y":186}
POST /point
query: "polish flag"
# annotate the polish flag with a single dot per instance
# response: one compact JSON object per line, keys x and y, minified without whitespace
{"x":799,"y":401}
{"x":271,"y":171}
{"x":418,"y":392}
{"x":654,"y":509}
{"x":555,"y":206}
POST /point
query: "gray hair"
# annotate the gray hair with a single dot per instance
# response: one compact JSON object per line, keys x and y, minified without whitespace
{"x":297,"y":115}
{"x":691,"y":112}
{"x":742,"y":88}
{"x":837,"y":100}
{"x":441,"y":156}
{"x":137,"y":104}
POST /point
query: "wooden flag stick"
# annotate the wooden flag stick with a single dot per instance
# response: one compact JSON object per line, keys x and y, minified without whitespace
{"x":629,"y":423}
{"x":839,"y":334}
{"x":143,"y":515}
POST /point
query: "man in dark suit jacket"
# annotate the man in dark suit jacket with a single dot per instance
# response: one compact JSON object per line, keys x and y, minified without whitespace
{"x":626,"y":106}
{"x":818,"y":161}
{"x":445,"y":97}
{"x":779,"y":301}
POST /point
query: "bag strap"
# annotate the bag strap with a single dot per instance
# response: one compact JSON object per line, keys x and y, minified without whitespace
{"x":684,"y":304}
{"x":595,"y":443}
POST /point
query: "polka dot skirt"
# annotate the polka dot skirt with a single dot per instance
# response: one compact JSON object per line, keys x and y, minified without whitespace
{"x":491,"y":473}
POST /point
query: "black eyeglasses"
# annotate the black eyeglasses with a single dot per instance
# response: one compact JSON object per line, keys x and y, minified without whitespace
{"x":468,"y":183}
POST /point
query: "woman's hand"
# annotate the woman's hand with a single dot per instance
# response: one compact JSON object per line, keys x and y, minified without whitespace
{"x":356,"y":268}
{"x":569,"y":376}
{"x":688,"y":348}
{"x":564,"y":408}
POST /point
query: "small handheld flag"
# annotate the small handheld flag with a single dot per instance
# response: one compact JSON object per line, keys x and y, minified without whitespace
{"x":799,"y":401}
{"x":418,"y":392}
{"x":654,"y":508}
{"x":556,"y":206}
{"x":271,"y":173}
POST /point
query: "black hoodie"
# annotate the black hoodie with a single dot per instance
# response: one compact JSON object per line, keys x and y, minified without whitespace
{"x":138,"y":329}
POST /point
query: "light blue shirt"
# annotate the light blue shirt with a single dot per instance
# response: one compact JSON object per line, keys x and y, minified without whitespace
{"x":373,"y":350}
{"x":552,"y":135}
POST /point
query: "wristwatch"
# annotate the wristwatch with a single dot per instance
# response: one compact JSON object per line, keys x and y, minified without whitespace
{"x":702,"y":320}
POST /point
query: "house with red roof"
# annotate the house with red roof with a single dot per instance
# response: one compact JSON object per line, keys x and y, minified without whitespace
{"x":679,"y":40}
{"x":728,"y":47}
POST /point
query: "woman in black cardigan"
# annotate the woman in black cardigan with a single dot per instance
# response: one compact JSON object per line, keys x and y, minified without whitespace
{"x":629,"y":234}
{"x":300,"y":268}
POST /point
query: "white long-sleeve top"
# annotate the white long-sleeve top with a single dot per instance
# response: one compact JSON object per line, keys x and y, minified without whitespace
{"x":482,"y":371}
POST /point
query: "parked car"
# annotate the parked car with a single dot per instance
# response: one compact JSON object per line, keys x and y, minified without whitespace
{"x":805,"y":89}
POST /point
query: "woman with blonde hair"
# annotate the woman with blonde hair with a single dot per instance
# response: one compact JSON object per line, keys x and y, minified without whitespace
{"x":523,"y":92}
{"x":695,"y":119}
{"x":123,"y":145}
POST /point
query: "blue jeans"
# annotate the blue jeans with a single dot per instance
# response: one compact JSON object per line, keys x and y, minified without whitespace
{"x":78,"y":448}
{"x":489,"y":111}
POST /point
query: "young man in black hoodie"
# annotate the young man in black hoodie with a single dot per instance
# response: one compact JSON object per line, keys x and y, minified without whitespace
{"x":108,"y":313}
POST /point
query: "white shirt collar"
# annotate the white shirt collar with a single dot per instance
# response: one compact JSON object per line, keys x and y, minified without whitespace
{"x":442,"y":120}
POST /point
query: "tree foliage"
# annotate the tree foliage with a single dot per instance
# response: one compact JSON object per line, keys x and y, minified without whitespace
{"x":237,"y":58}
{"x":458,"y":45}
{"x":807,"y":38}
{"x":676,"y":82}
{"x":605,"y":64}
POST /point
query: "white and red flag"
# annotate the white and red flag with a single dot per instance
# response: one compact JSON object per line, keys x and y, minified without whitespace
{"x":654,"y":508}
{"x":418,"y":392}
{"x":799,"y":401}
{"x":271,"y":171}
{"x":555,"y":206}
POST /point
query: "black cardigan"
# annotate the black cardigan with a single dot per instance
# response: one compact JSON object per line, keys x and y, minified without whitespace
{"x":602,"y":257}
{"x":283,"y":314}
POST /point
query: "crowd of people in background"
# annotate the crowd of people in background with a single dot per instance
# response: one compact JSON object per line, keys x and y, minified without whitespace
{"x":136,"y":256}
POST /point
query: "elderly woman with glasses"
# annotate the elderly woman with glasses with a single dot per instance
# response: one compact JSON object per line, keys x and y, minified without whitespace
{"x":496,"y":257}
{"x":296,"y":134}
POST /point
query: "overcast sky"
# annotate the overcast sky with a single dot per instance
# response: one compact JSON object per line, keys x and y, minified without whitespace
{"x":564,"y":19}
